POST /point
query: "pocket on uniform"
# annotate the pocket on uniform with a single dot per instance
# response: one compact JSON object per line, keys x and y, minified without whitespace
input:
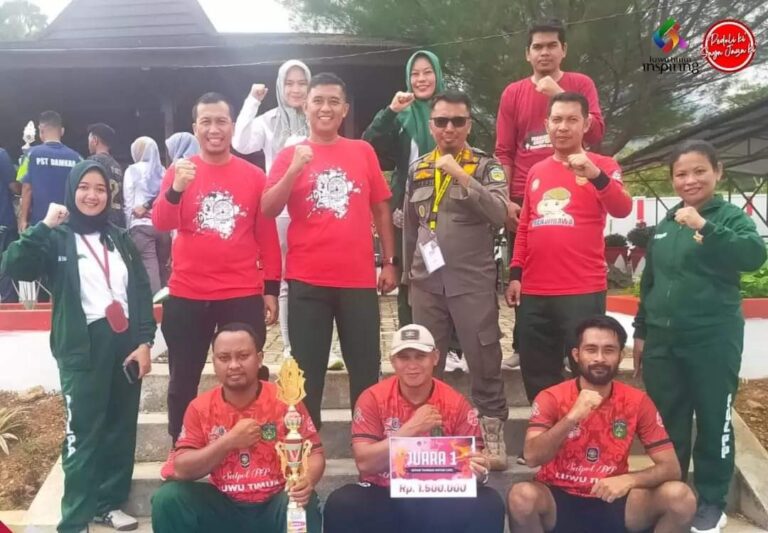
{"x":74,"y":361}
{"x":421,"y":194}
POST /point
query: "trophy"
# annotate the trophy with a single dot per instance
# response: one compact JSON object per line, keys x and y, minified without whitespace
{"x":28,"y":136}
{"x":293,"y":450}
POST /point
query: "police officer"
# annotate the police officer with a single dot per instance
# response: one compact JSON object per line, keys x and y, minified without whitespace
{"x":455,"y":199}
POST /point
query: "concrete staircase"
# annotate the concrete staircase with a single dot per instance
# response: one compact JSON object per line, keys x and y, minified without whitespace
{"x":153,"y":444}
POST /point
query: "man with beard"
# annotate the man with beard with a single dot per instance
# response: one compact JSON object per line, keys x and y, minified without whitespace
{"x":581,"y":432}
{"x":230,"y":433}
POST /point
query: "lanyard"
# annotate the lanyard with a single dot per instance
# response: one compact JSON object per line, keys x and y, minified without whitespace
{"x":441,"y":187}
{"x":104,"y":267}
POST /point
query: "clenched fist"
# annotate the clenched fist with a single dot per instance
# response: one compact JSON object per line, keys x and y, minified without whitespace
{"x":302,"y":155}
{"x":401,"y":101}
{"x":548,"y":87}
{"x":425,"y":419}
{"x":259,"y":91}
{"x":448,"y":164}
{"x":688,"y":216}
{"x":582,"y":165}
{"x":244,"y":434}
{"x":586,"y":402}
{"x":57,"y":214}
{"x":184,"y":174}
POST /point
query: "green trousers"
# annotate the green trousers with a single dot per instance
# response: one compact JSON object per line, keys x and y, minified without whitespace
{"x":191,"y":507}
{"x":102,"y":411}
{"x":687,"y":373}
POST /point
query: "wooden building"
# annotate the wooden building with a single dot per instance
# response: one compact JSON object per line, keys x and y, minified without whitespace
{"x":139,"y":65}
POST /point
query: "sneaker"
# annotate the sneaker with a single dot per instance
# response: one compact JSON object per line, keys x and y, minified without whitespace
{"x":708,"y":519}
{"x":453,"y":362}
{"x":521,"y":460}
{"x":511,"y":362}
{"x":118,"y":520}
{"x":335,"y":362}
{"x":493,"y":437}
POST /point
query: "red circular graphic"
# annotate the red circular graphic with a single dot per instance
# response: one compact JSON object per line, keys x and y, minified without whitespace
{"x":729,"y":45}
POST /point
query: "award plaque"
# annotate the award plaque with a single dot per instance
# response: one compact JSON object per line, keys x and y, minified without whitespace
{"x":293,"y":450}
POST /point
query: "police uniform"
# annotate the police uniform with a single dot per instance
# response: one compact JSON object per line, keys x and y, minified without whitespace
{"x":461,"y":293}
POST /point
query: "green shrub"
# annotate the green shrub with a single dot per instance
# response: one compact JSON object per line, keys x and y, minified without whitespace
{"x":755,"y":284}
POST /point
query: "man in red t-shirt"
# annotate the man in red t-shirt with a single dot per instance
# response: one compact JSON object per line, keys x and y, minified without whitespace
{"x":334,"y":190}
{"x":581,"y":432}
{"x":411,"y":404}
{"x":521,"y":137}
{"x":226,"y":256}
{"x":558,"y":264}
{"x":229,"y":434}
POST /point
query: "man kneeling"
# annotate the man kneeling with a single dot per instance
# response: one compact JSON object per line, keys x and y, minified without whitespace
{"x":410,"y":404}
{"x":581,"y":432}
{"x":230,"y":433}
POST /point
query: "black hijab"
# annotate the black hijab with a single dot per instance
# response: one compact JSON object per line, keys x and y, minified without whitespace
{"x":79,"y":222}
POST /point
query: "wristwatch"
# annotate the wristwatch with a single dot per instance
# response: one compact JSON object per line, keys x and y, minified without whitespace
{"x":394,"y":261}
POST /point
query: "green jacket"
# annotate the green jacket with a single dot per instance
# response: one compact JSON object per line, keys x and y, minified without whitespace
{"x":393,"y":146}
{"x":686,"y":285}
{"x":52,"y":253}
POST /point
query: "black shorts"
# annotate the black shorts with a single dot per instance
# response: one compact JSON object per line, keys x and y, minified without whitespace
{"x":576,"y":514}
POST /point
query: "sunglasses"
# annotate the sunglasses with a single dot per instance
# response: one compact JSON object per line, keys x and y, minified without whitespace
{"x":442,"y":122}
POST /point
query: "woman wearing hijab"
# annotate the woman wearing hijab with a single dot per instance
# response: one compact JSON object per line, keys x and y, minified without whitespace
{"x":141,"y":184}
{"x":285,"y":125}
{"x":101,"y":335}
{"x":181,"y":145}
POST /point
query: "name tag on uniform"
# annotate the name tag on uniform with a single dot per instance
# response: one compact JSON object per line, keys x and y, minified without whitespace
{"x":432,"y":256}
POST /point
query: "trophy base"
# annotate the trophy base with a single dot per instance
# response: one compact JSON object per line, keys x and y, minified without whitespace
{"x":297,"y":520}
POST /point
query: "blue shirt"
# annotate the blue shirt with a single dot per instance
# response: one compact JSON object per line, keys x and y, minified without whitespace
{"x":49,"y":166}
{"x":7,"y":176}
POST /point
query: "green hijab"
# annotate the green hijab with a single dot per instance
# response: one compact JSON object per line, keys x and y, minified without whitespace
{"x":415,"y":118}
{"x":79,"y":222}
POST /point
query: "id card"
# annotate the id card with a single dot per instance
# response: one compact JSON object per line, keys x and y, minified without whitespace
{"x":432,"y":255}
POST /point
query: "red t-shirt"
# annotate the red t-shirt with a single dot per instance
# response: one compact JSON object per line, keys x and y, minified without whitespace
{"x":559,"y":243}
{"x":381,"y":410}
{"x":599,"y":446}
{"x":253,"y":475}
{"x":224,"y":248}
{"x":330,"y":242}
{"x":522,"y":140}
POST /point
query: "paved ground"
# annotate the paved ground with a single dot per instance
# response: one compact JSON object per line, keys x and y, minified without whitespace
{"x":273,"y":348}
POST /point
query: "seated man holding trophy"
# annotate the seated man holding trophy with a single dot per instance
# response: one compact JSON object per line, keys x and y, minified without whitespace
{"x":413,"y":406}
{"x":256,"y":441}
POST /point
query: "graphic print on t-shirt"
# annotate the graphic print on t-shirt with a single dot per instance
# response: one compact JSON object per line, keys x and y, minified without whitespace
{"x":551,"y":208}
{"x":536,"y":140}
{"x":219,"y":212}
{"x":332,"y":190}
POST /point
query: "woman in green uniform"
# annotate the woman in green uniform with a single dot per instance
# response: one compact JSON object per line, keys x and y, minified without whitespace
{"x":400,"y":134}
{"x":689,"y":330}
{"x":101,"y":334}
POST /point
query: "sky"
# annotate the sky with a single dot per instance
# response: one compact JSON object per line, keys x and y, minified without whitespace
{"x":226,"y":15}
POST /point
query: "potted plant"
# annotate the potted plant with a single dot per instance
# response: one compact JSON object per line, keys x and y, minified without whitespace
{"x":615,"y":247}
{"x":639,"y":237}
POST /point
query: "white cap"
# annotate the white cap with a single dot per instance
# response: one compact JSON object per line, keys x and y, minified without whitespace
{"x":412,"y":336}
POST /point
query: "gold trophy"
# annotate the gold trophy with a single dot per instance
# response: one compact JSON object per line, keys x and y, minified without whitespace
{"x":293,"y":450}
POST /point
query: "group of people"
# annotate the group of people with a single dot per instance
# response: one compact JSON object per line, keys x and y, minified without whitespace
{"x":252,"y":247}
{"x":41,"y":179}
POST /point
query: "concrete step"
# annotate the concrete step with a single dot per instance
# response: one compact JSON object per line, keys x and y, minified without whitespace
{"x":153,"y":442}
{"x":338,"y":472}
{"x":336,"y":392}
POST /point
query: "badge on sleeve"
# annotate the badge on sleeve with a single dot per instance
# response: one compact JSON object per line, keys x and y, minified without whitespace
{"x":497,"y":174}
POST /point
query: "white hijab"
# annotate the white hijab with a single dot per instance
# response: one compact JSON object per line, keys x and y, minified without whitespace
{"x":291,"y":122}
{"x":144,"y":150}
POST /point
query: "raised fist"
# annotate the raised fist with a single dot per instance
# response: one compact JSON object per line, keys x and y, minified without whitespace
{"x":184,"y":174}
{"x":302,"y":155}
{"x":57,"y":214}
{"x":401,"y":101}
{"x":259,"y":91}
{"x":548,"y":87}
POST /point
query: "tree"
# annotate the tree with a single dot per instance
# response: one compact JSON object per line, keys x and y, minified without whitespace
{"x":608,"y":40}
{"x":20,"y":19}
